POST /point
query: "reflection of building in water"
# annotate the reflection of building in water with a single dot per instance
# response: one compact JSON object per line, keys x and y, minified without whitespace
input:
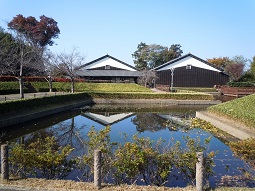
{"x":106,"y":118}
{"x":156,"y":122}
{"x":144,"y":121}
{"x":176,"y":120}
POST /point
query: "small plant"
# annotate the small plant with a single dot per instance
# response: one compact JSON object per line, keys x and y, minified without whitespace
{"x":96,"y":140}
{"x":245,"y":149}
{"x":41,"y":158}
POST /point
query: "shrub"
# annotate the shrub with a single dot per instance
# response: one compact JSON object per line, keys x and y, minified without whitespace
{"x":241,"y":84}
{"x":142,"y":158}
{"x":245,"y":149}
{"x":10,"y":88}
{"x":179,"y":96}
{"x":27,"y":104}
{"x":41,"y":158}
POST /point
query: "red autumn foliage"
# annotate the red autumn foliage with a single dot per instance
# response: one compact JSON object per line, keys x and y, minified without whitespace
{"x":39,"y":32}
{"x":36,"y":79}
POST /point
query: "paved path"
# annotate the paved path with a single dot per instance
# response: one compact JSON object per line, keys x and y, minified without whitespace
{"x":29,"y":95}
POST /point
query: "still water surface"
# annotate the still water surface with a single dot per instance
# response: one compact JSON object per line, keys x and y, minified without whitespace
{"x":72,"y":127}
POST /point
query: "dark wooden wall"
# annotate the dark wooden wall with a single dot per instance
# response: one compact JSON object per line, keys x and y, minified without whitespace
{"x":195,"y":77}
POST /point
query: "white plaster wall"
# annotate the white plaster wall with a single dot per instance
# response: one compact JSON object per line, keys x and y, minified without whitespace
{"x":108,"y":61}
{"x":189,"y":61}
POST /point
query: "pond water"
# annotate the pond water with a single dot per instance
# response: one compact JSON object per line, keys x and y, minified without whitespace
{"x":72,"y":127}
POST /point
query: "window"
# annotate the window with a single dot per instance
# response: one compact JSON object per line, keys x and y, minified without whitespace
{"x":188,"y":67}
{"x":107,"y":67}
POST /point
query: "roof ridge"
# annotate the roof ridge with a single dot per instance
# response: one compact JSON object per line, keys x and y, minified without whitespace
{"x":184,"y":56}
{"x":109,"y":56}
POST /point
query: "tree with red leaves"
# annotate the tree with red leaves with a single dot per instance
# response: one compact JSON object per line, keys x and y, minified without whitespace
{"x":38,"y":33}
{"x":236,"y":68}
{"x":32,"y":37}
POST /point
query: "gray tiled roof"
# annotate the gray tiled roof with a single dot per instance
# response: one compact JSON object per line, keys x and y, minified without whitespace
{"x":114,"y":73}
{"x":103,"y":57}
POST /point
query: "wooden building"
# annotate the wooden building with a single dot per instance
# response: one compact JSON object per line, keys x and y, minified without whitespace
{"x":108,"y":69}
{"x":189,"y":71}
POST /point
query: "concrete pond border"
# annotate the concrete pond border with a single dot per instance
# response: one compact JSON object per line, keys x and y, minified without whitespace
{"x":233,"y":128}
{"x":9,"y":120}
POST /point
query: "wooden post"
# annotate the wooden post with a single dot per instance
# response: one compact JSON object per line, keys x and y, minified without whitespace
{"x":199,"y":171}
{"x":97,"y":168}
{"x":4,"y":162}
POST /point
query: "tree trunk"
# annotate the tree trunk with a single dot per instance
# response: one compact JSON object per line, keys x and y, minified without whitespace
{"x":72,"y":85}
{"x":50,"y":83}
{"x":21,"y":87}
{"x":21,"y":84}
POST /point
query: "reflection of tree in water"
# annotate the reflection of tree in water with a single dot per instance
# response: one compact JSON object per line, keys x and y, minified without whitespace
{"x":148,"y":122}
{"x":69,"y":133}
{"x":33,"y":137}
{"x":66,"y":133}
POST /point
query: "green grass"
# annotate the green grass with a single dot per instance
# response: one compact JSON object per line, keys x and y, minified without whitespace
{"x":13,"y":87}
{"x":241,"y":110}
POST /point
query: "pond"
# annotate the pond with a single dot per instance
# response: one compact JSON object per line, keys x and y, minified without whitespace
{"x":169,"y":123}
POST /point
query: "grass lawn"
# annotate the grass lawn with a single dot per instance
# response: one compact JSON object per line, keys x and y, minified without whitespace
{"x":111,"y":87}
{"x":196,"y":89}
{"x":241,"y":110}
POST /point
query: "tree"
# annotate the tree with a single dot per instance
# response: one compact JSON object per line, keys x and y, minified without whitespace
{"x":147,"y":77}
{"x":140,"y":56}
{"x":8,"y":56}
{"x":69,"y":64}
{"x":151,"y":56}
{"x":32,"y":37}
{"x":50,"y":70}
{"x":252,"y":67}
{"x":220,"y":62}
{"x":37,"y":33}
{"x":236,"y":68}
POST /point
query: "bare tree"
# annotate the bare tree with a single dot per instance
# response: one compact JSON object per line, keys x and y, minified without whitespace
{"x":21,"y":58}
{"x":50,"y":69}
{"x":68,"y":64}
{"x":236,"y":68}
{"x":147,"y":77}
{"x":32,"y":37}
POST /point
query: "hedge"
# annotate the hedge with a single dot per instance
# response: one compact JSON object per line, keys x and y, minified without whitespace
{"x":241,"y":84}
{"x":10,"y":88}
{"x":32,"y":103}
{"x":13,"y":87}
{"x":178,"y":96}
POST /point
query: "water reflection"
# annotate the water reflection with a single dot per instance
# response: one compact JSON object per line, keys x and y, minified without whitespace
{"x":169,"y":123}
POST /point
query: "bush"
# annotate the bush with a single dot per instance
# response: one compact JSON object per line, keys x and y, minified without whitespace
{"x":179,"y":96}
{"x":27,"y":104}
{"x":244,"y":149}
{"x":142,"y":158}
{"x":241,"y":84}
{"x":44,"y":157}
{"x":10,"y":88}
{"x":249,"y":76}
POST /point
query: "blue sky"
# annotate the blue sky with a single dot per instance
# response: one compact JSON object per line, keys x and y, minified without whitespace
{"x":207,"y":29}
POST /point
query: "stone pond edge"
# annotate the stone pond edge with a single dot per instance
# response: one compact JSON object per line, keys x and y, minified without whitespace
{"x":233,"y":128}
{"x":27,"y":116}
